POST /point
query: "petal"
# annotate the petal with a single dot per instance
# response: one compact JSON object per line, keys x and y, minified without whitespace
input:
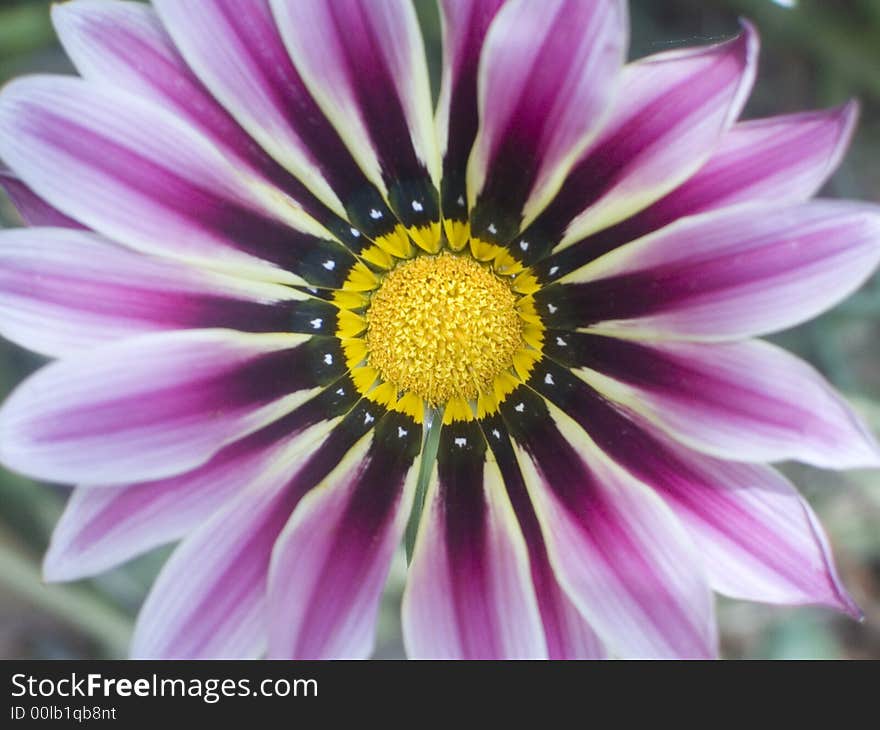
{"x":34,"y":211}
{"x":730,"y":274}
{"x":150,"y":181}
{"x":330,"y":564}
{"x":364,"y":63}
{"x":546,"y":77}
{"x":785,"y":159}
{"x":64,"y":290}
{"x":469,"y":593}
{"x":668,"y":117}
{"x":209,"y":601}
{"x":567,"y":634}
{"x":617,"y":549}
{"x":746,"y":401}
{"x":125,"y":44}
{"x":757,"y":538}
{"x":104,"y":526}
{"x":465,"y":23}
{"x":156,"y":405}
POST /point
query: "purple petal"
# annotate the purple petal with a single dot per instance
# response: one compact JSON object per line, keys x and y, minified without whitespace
{"x":546,"y":76}
{"x":465,"y":23}
{"x":152,"y":406}
{"x":783,"y":159}
{"x":240,"y":57}
{"x":103,"y":527}
{"x":669,"y":115}
{"x":124,"y":44}
{"x":755,"y":536}
{"x":729,"y":274}
{"x":63,"y":290}
{"x":330,"y":564}
{"x":746,"y":401}
{"x":567,"y":633}
{"x":616,"y":548}
{"x":364,"y":63}
{"x":34,"y":211}
{"x":469,"y":593}
{"x":210,"y":600}
{"x":150,"y":181}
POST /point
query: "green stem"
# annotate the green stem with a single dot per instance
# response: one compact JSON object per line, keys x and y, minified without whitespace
{"x":430,"y":444}
{"x":74,"y":606}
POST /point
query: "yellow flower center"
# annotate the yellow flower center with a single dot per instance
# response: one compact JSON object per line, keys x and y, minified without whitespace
{"x":442,"y":327}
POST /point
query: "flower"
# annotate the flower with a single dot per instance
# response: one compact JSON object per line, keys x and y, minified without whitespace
{"x":271,"y":341}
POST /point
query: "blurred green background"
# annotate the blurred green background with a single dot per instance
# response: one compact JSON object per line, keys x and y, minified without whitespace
{"x":816,"y":54}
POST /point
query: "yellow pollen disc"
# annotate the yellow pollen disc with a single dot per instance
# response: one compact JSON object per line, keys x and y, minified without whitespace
{"x":442,"y":327}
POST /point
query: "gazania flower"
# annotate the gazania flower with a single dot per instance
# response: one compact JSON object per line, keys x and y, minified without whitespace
{"x":294,"y":306}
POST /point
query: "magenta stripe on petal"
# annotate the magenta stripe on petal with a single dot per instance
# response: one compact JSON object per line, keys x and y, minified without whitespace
{"x":124,"y":44}
{"x":620,"y":554}
{"x":567,"y":633}
{"x":469,"y":593}
{"x":465,"y":23}
{"x":64,"y":290}
{"x":783,"y":159}
{"x":668,"y":117}
{"x":755,"y":535}
{"x":546,"y":75}
{"x":150,"y":181}
{"x":152,"y":406}
{"x":330,"y":564}
{"x":364,"y":62}
{"x":733,"y":273}
{"x":746,"y":401}
{"x":210,"y":600}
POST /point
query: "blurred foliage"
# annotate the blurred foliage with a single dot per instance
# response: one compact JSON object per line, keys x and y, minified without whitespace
{"x":817,"y":54}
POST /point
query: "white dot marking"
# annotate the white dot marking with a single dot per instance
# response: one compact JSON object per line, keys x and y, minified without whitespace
{"x":519,"y":407}
{"x":461,"y":442}
{"x":328,"y":358}
{"x":316,"y":323}
{"x":329,"y":264}
{"x":375,"y":214}
{"x":417,"y":206}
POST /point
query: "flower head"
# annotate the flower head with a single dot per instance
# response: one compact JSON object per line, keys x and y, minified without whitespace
{"x":287,"y":295}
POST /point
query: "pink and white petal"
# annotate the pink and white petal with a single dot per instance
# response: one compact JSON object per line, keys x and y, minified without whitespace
{"x":210,"y":600}
{"x":240,"y":57}
{"x":124,"y":44}
{"x":759,"y":539}
{"x":330,"y":564}
{"x":745,"y":401}
{"x":102,"y":527}
{"x":728,"y":274}
{"x":784,"y":159}
{"x":670,"y":113}
{"x":465,"y":24}
{"x":567,"y":633}
{"x":621,"y":555}
{"x":148,"y":180}
{"x":756,"y":537}
{"x":469,"y":593}
{"x":151,"y":406}
{"x":364,"y":63}
{"x":65,"y":290}
{"x":34,"y":211}
{"x":546,"y":78}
